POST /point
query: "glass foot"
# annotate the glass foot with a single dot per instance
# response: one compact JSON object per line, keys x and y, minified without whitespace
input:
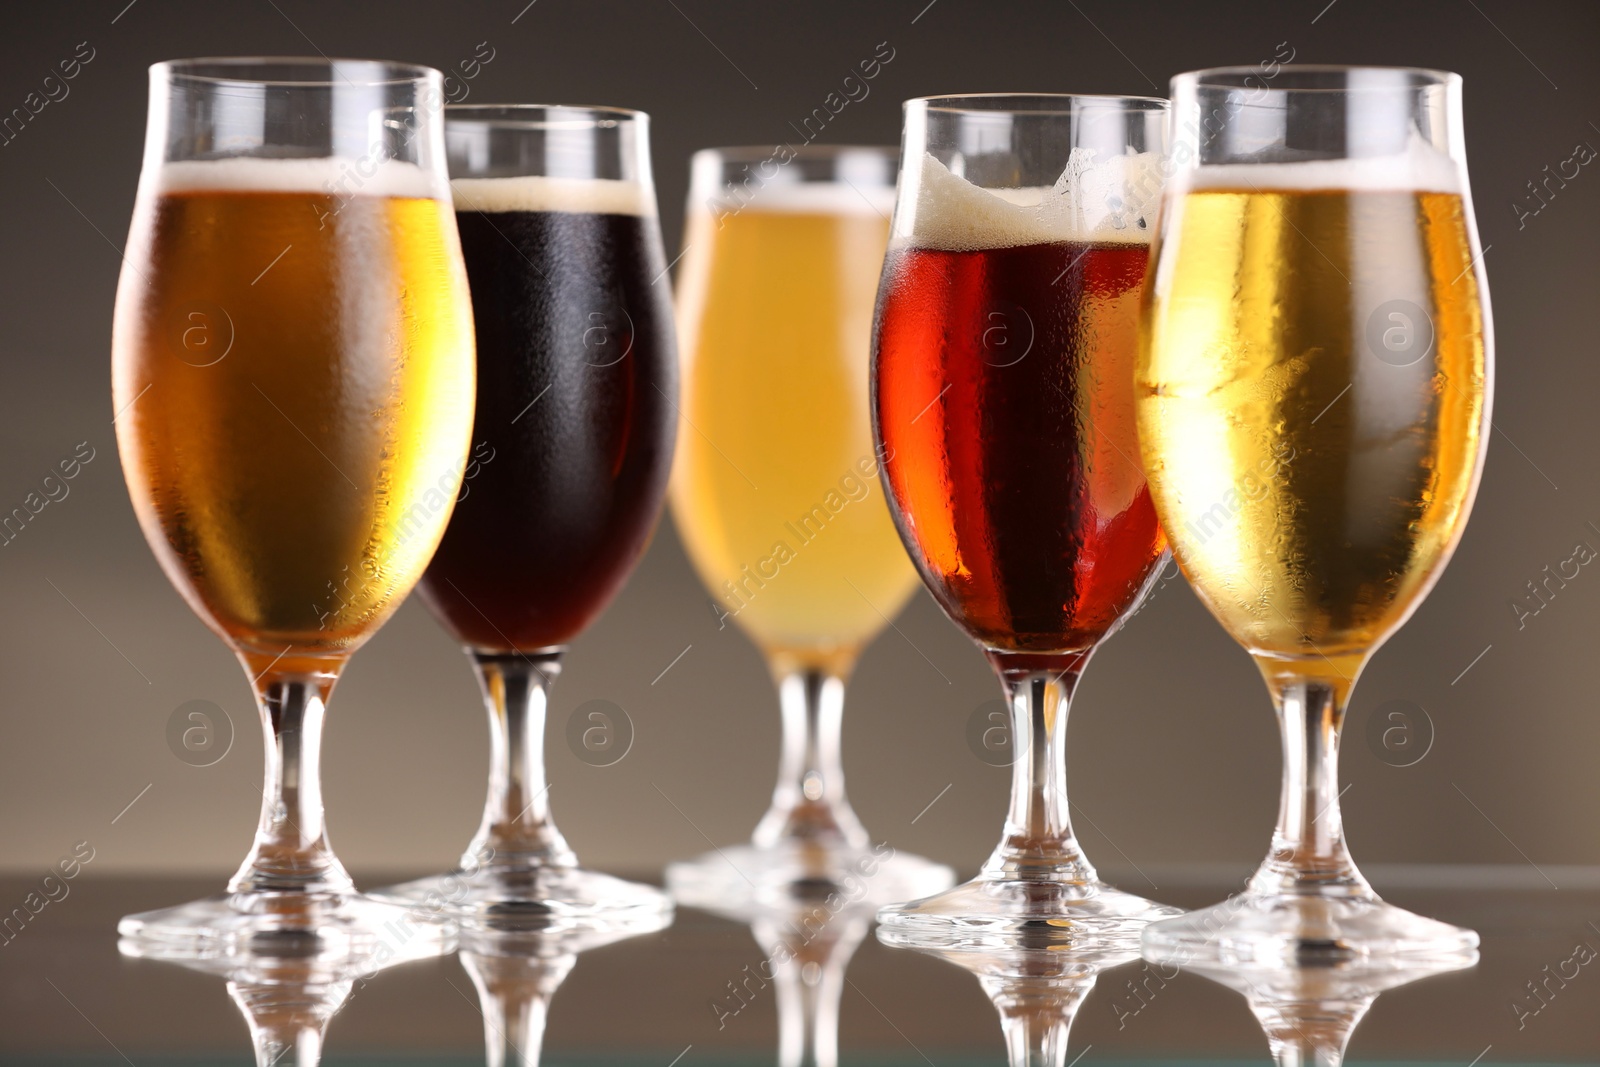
{"x":1288,"y":928}
{"x":742,"y":875}
{"x":1000,"y":911}
{"x":357,"y":931}
{"x":534,"y":898}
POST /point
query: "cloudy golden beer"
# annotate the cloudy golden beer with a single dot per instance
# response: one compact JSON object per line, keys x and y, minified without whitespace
{"x":1311,"y":398}
{"x":294,"y":381}
{"x":775,"y":486}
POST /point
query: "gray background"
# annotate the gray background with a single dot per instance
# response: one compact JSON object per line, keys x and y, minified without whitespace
{"x":1174,"y":756}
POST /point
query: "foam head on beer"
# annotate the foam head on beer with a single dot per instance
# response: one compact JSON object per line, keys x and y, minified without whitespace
{"x":1421,"y":168}
{"x":596,"y":196}
{"x":323,"y":175}
{"x":1110,"y":198}
{"x":807,"y":198}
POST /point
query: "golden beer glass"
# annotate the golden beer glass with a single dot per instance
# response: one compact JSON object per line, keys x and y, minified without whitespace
{"x":293,"y":376}
{"x":1312,"y":396}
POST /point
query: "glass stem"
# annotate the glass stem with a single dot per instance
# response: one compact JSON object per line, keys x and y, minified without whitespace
{"x":291,"y":852}
{"x":1308,"y":848}
{"x":808,"y":804}
{"x":1039,"y":843}
{"x":1036,"y":1022}
{"x":517,"y":831}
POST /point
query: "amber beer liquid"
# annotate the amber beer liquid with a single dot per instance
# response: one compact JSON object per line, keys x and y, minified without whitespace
{"x":1005,"y":352}
{"x":1333,"y":338}
{"x":293,"y":374}
{"x":776,"y":488}
{"x":575,"y":408}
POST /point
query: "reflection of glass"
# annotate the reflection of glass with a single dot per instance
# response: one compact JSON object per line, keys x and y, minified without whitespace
{"x":1037,"y":983}
{"x":775,"y":488}
{"x":289,"y":992}
{"x":1003,"y":371}
{"x":1308,"y":1013}
{"x":292,"y":357}
{"x":573,"y":443}
{"x":808,"y":949}
{"x":1311,"y":403}
{"x":516,"y":972}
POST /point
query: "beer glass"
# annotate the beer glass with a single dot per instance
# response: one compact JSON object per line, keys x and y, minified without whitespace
{"x":1003,"y":355}
{"x":1312,"y":397}
{"x":577,"y":381}
{"x":293,"y":378}
{"x":774,"y":486}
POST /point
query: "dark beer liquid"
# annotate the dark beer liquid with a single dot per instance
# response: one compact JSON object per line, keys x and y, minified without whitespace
{"x":572,"y":444}
{"x":1004,"y":401}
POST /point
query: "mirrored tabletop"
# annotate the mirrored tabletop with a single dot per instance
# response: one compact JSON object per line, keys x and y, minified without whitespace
{"x":811,"y":986}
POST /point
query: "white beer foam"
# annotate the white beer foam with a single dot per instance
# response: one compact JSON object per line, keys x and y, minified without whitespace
{"x":327,"y":175}
{"x":1421,"y":168}
{"x":1109,"y":200}
{"x":595,"y":196}
{"x":809,"y":198}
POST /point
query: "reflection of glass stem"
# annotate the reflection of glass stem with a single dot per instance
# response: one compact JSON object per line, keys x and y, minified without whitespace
{"x":515,"y":992}
{"x":809,"y":805}
{"x":808,"y":962}
{"x":1036,"y":1016}
{"x":1308,"y":1013}
{"x":1310,"y":1034}
{"x":517,"y":830}
{"x":291,"y":851}
{"x":287,"y":1018}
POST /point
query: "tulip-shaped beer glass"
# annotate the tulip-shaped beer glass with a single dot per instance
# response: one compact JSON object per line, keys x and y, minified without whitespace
{"x":1312,"y":397}
{"x":1003,"y":373}
{"x":577,"y":380}
{"x":775,"y":487}
{"x":293,"y":379}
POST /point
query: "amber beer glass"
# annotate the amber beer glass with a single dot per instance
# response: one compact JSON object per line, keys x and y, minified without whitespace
{"x":775,"y":488}
{"x":1006,"y":331}
{"x":293,"y":379}
{"x":1312,"y":400}
{"x":577,"y":382}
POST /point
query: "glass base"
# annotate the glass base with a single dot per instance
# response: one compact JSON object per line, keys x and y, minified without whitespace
{"x":355,"y":930}
{"x":1000,"y":911}
{"x":1280,"y":928}
{"x":742,"y":875}
{"x":534,"y":898}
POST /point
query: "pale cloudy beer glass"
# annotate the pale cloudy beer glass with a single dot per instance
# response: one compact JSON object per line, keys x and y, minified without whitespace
{"x":776,"y":489}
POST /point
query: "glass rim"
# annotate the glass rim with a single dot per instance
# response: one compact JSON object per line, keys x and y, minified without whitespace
{"x":760,"y":153}
{"x":210,"y":70}
{"x":506,"y":115}
{"x":1219,"y":77}
{"x":1064,"y":103}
